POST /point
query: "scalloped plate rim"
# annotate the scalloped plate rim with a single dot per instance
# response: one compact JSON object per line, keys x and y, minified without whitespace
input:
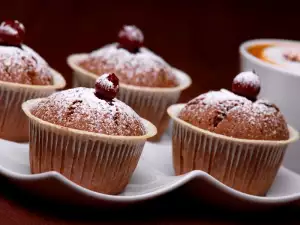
{"x":196,"y":174}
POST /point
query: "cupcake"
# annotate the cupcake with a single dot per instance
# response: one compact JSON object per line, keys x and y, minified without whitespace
{"x":147,"y":83}
{"x":233,"y":136}
{"x":23,"y":75}
{"x":87,"y":135}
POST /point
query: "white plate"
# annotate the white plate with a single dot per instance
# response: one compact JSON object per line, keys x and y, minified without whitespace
{"x":153,"y":177}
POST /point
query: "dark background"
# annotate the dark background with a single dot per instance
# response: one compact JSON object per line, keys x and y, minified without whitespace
{"x":199,"y":37}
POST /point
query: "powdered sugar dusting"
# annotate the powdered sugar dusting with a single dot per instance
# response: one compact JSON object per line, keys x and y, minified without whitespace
{"x":141,"y":62}
{"x":265,"y":107}
{"x":213,"y":98}
{"x":247,"y":78}
{"x":143,"y":68}
{"x":88,"y":98}
{"x":38,"y":57}
{"x":226,"y":113}
{"x":258,"y":112}
{"x":22,"y":66}
{"x":9,"y":29}
{"x":225,"y":100}
{"x":104,"y":82}
{"x":79,"y":108}
{"x":136,"y":34}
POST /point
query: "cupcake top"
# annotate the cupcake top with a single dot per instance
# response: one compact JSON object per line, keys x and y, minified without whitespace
{"x":230,"y":114}
{"x":19,"y":63}
{"x":94,"y":110}
{"x":134,"y":64}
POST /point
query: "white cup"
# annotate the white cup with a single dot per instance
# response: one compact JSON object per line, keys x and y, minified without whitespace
{"x":280,"y":85}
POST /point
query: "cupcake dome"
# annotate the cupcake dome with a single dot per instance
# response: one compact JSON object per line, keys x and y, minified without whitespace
{"x":24,"y":75}
{"x":226,"y":113}
{"x":148,"y":84}
{"x":142,"y":68}
{"x":102,"y":149}
{"x":81,"y":109}
{"x":241,"y":140}
{"x":24,"y":66}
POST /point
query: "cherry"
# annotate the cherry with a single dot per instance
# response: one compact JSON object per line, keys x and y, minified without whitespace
{"x":107,"y":86}
{"x":130,"y":38}
{"x":16,"y":25}
{"x":246,"y":84}
{"x":12,"y":33}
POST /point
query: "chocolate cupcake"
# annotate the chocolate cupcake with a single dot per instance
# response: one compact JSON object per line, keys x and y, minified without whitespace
{"x":23,"y":75}
{"x":234,"y":137}
{"x":147,"y":83}
{"x":87,"y":135}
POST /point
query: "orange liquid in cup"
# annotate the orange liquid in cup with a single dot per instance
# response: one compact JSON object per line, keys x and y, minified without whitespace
{"x":257,"y":51}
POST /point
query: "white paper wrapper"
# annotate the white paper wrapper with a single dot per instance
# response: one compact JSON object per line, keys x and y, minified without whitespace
{"x":13,"y":122}
{"x":249,"y":166}
{"x":98,"y":162}
{"x":149,"y":103}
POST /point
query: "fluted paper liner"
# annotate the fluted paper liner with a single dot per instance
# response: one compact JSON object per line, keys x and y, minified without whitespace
{"x":13,"y":122}
{"x":98,"y":162}
{"x":149,"y":103}
{"x":249,"y":166}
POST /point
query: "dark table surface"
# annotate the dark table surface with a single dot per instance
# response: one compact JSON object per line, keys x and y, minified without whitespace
{"x":20,"y":207}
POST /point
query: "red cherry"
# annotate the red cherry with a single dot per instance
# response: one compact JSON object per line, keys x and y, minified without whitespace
{"x":12,"y":33}
{"x":16,"y":25}
{"x":107,"y":86}
{"x":246,"y":84}
{"x":130,"y":38}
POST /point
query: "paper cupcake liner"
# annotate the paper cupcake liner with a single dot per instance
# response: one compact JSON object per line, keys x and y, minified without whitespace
{"x":249,"y":166}
{"x":98,"y":162}
{"x":13,"y":122}
{"x":149,"y":103}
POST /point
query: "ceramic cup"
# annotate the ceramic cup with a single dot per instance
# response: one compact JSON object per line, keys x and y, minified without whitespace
{"x":280,"y":81}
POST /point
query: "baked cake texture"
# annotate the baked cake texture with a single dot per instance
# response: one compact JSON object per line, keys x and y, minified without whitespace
{"x":226,"y":113}
{"x":23,"y":66}
{"x":143,"y":68}
{"x":81,"y":109}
